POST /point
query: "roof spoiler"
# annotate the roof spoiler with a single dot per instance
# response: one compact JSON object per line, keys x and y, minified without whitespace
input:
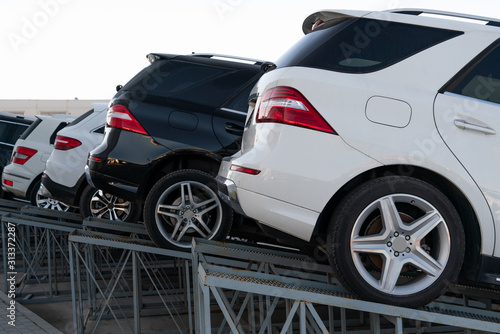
{"x":327,"y":15}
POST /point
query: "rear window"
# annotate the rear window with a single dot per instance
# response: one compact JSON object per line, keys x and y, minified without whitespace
{"x":193,"y":82}
{"x":362,"y":45}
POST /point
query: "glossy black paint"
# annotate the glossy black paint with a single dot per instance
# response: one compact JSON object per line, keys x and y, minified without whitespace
{"x":193,"y":109}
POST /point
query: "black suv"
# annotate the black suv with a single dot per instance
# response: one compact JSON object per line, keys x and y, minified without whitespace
{"x":167,"y":130}
{"x":12,"y":127}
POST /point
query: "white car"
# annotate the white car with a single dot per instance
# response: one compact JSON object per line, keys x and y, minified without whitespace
{"x":64,"y":175}
{"x":376,"y":137}
{"x":21,"y":177}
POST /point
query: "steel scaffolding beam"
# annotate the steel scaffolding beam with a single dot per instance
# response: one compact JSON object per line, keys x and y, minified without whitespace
{"x":115,"y":272}
{"x":144,"y":280}
{"x":296,"y":301}
{"x":42,"y":249}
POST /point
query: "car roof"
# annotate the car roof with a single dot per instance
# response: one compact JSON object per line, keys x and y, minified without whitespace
{"x":6,"y":116}
{"x":60,"y":117}
{"x":424,"y":17}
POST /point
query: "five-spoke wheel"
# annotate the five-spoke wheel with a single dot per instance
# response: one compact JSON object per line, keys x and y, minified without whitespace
{"x":396,"y":240}
{"x":182,"y":205}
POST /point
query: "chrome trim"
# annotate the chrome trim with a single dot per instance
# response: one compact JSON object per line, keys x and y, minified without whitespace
{"x":234,"y":111}
{"x":472,"y":98}
{"x":464,"y":125}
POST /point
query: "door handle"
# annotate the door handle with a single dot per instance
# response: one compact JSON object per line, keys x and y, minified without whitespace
{"x":234,"y":129}
{"x":464,"y":125}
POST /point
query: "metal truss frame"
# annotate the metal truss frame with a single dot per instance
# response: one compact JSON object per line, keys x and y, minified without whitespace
{"x":42,"y":248}
{"x":297,"y":301}
{"x":120,"y":295}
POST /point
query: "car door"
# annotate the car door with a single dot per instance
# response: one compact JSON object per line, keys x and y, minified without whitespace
{"x":467,"y":115}
{"x":229,"y":121}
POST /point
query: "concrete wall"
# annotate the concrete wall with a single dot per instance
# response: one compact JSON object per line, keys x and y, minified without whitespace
{"x":47,"y":107}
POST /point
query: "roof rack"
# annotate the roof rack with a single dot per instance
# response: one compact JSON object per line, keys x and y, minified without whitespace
{"x":414,"y":11}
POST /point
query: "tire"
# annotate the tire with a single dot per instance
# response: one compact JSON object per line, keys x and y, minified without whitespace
{"x":97,"y":203}
{"x":37,"y":199}
{"x":182,"y":205}
{"x":396,"y":240}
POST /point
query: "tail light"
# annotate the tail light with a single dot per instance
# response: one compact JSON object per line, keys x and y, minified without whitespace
{"x":22,"y":154}
{"x":288,"y":106}
{"x":245,"y":170}
{"x":66,"y":143}
{"x":120,"y":117}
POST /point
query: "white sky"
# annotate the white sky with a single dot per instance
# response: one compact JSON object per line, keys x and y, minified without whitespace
{"x":62,"y":49}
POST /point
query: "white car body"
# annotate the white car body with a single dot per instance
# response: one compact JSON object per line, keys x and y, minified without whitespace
{"x":396,"y":116}
{"x":24,"y":176}
{"x":66,"y":168}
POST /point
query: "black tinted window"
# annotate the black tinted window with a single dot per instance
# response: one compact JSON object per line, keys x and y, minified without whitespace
{"x":363,"y":45}
{"x":240,"y":103}
{"x":482,"y":81}
{"x":10,"y":132}
{"x":99,"y":130}
{"x":181,"y":81}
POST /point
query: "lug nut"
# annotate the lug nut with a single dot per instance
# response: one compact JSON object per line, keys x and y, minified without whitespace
{"x":408,"y":249}
{"x":389,"y":244}
{"x":396,"y":254}
{"x":396,"y":234}
{"x":407,"y":238}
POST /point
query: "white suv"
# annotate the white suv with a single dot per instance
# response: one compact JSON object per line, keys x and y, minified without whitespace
{"x":22,"y":176}
{"x":64,"y":175}
{"x":376,"y":137}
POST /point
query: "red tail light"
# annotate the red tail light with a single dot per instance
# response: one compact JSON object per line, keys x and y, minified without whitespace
{"x":66,"y":143}
{"x":245,"y":170}
{"x":22,"y":154}
{"x":120,"y":117}
{"x":287,"y":105}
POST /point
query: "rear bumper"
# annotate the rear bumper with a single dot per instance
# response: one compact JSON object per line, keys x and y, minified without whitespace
{"x":228,"y":193}
{"x":112,"y":185}
{"x":21,"y":183}
{"x":68,"y":195}
{"x":123,"y":163}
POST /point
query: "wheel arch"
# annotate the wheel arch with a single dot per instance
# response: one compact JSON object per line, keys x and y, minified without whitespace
{"x":82,"y":183}
{"x":187,"y":159}
{"x":32,"y":185}
{"x":466,"y":212}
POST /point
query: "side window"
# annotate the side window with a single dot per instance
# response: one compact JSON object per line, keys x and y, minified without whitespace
{"x":4,"y":132}
{"x":18,"y":131}
{"x":364,"y":45}
{"x":99,"y":130}
{"x":240,"y":103}
{"x":10,"y":132}
{"x":482,"y":80}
